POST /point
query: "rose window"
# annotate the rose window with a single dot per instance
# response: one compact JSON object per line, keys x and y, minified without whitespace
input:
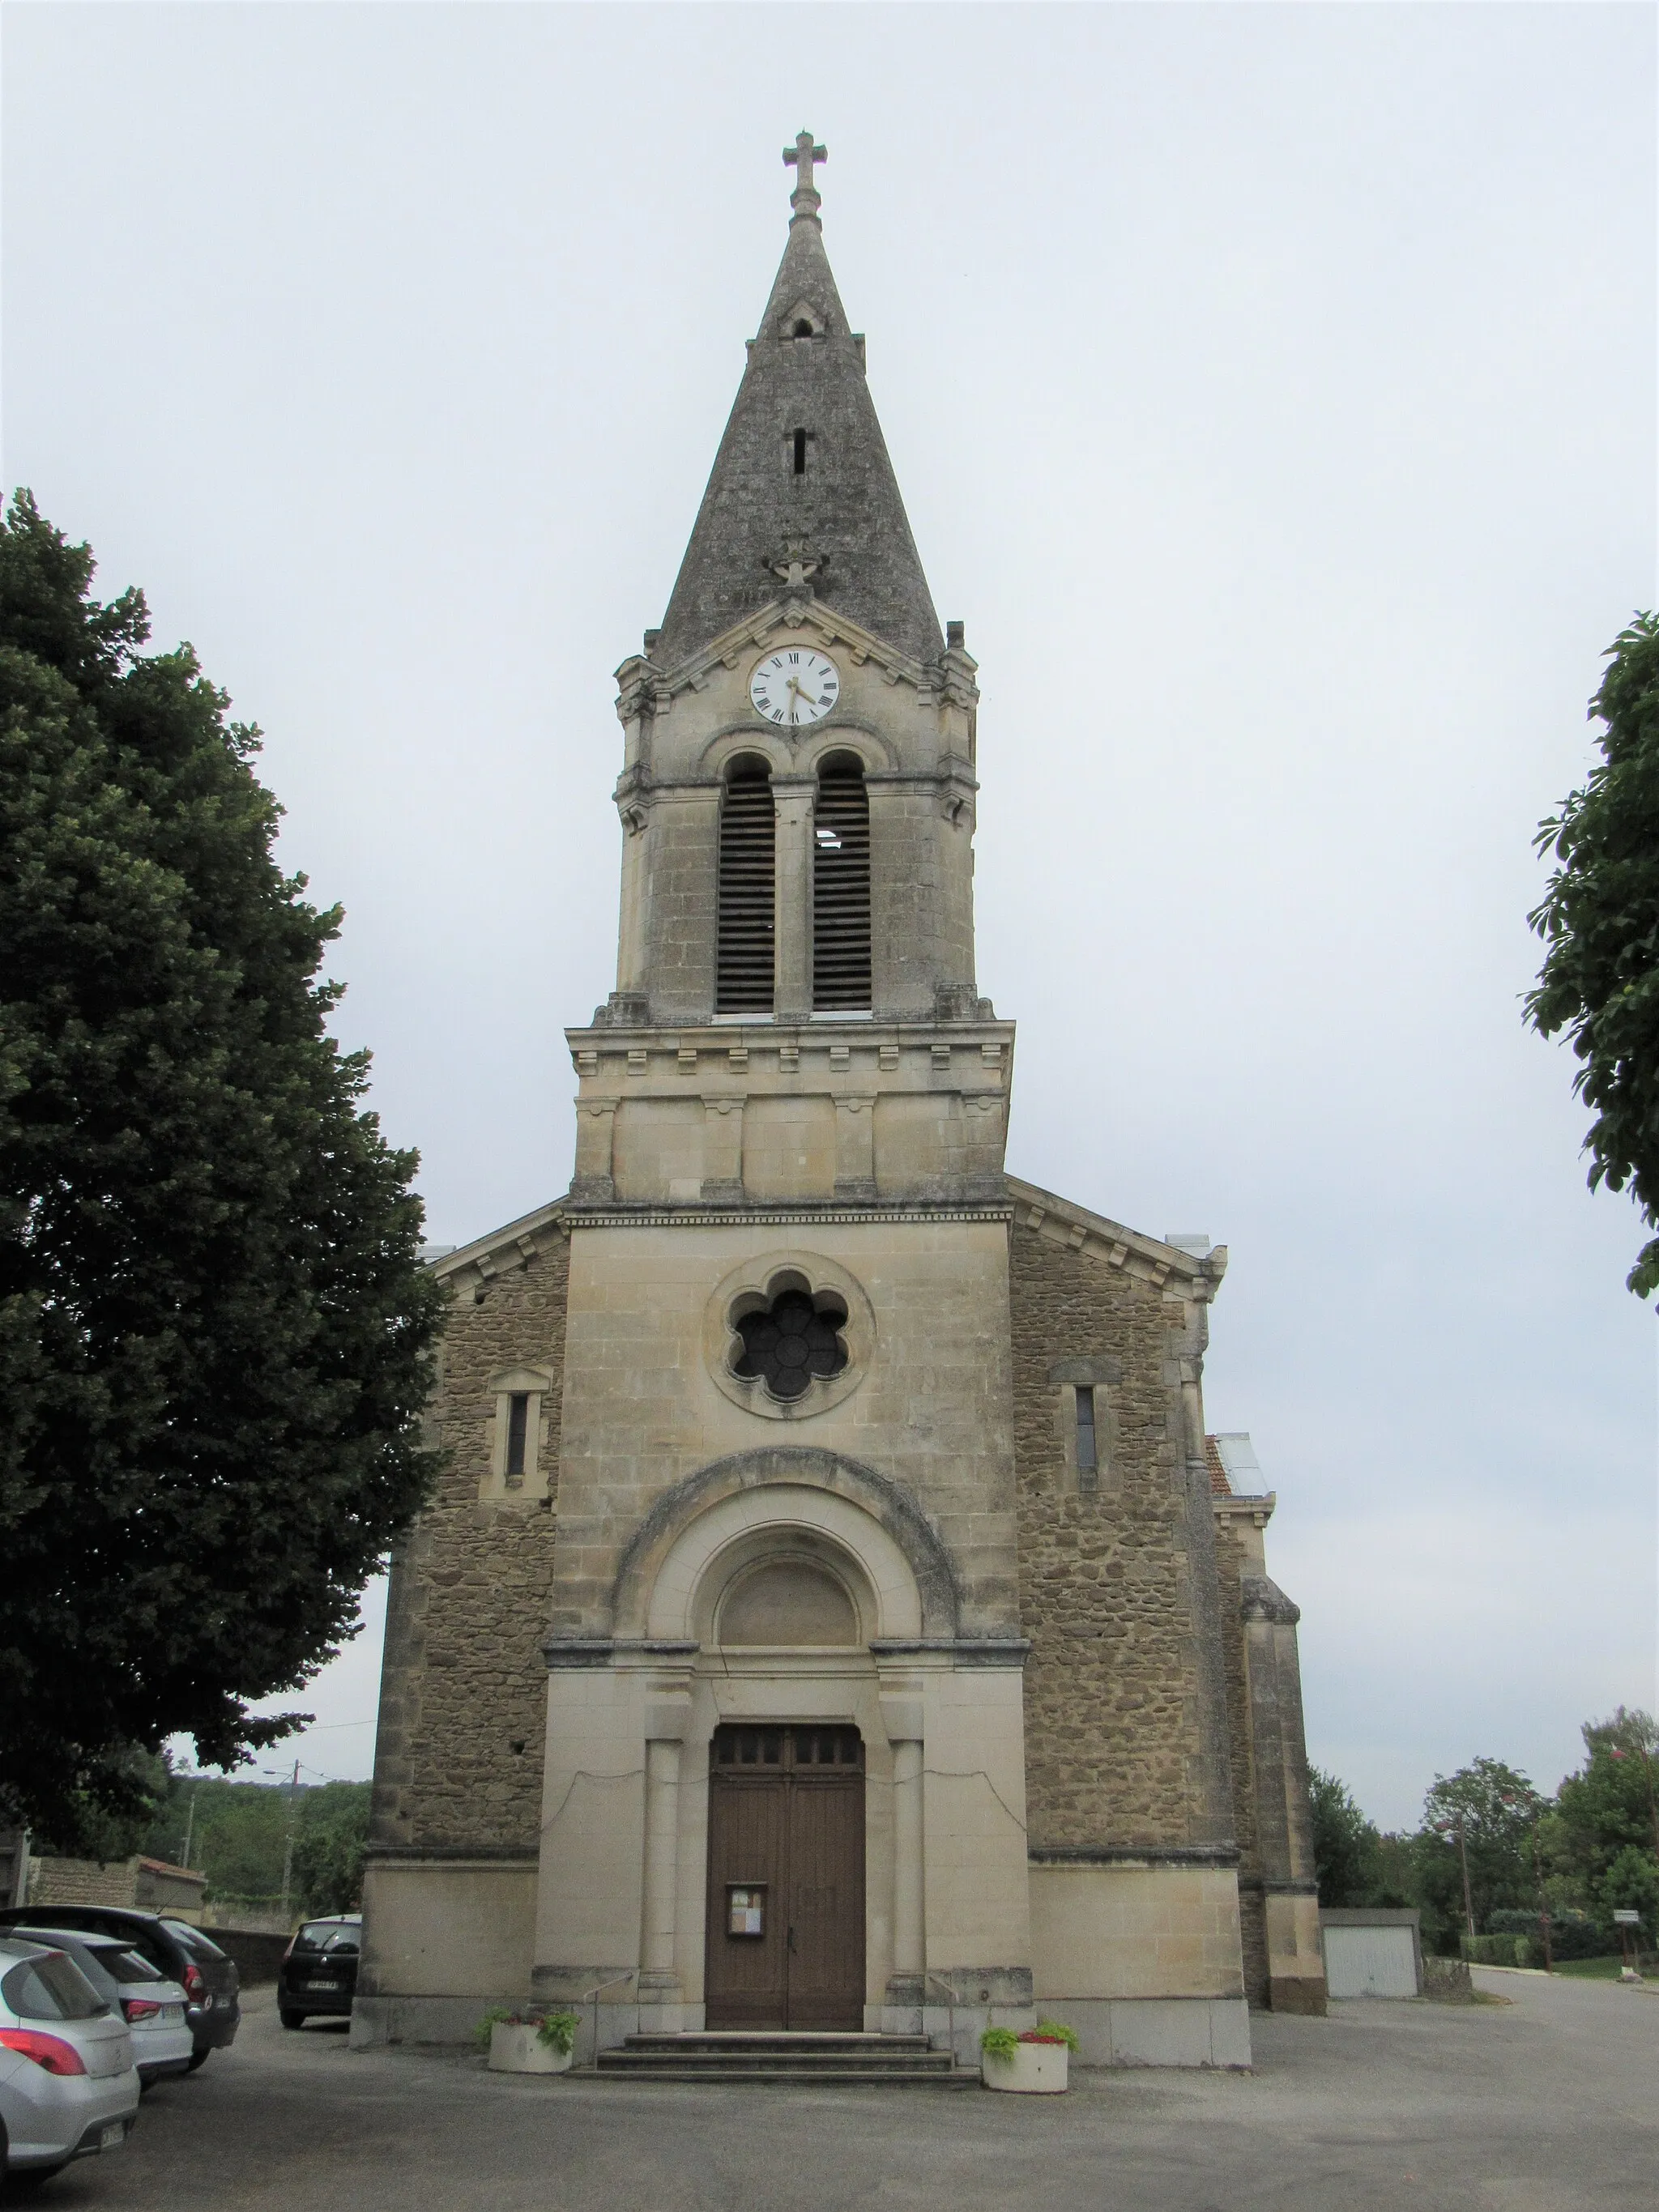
{"x":791,"y":1342}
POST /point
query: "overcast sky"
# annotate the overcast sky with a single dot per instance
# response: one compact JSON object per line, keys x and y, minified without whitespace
{"x":1272,"y":392}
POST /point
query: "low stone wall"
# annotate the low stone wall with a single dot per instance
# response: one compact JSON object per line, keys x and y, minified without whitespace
{"x":83,"y":1881}
{"x":256,"y":1951}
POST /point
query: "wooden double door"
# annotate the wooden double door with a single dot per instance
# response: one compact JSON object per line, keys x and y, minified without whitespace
{"x":786,"y":1878}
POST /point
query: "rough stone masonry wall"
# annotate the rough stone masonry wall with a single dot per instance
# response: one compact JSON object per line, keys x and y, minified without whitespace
{"x":464,"y":1696}
{"x":1252,"y":1909}
{"x":1112,"y":1693}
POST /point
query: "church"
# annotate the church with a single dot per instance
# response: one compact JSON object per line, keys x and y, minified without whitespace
{"x":833,"y":1615}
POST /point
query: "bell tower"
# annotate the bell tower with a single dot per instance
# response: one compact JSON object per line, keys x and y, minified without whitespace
{"x":796,"y":1015}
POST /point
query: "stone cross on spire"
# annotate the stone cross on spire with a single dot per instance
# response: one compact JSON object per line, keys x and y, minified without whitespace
{"x":804,"y":157}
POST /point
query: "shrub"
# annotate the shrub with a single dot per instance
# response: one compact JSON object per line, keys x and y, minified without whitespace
{"x":558,"y":2031}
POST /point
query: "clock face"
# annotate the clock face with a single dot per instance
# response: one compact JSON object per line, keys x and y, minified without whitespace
{"x":795,"y":687}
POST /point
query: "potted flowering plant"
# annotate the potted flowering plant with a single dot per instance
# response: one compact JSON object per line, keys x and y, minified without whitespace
{"x":528,"y":2043}
{"x":1034,"y":2064}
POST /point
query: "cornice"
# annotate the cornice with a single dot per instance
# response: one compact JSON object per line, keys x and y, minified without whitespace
{"x":1259,"y":1511}
{"x":1134,"y":1854}
{"x":513,"y":1246}
{"x":583,"y":1214}
{"x":642,"y":686}
{"x":1058,"y":1218}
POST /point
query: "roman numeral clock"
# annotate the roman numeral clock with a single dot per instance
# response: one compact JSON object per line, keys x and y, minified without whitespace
{"x":795,"y":688}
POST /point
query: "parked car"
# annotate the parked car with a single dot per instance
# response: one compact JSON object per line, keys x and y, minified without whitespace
{"x":68,"y":2086}
{"x":210,"y":1980}
{"x":152,"y":2007}
{"x":318,"y":1972}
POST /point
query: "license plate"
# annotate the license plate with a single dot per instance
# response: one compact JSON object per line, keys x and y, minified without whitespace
{"x":172,"y":2015}
{"x":325,"y":1985}
{"x":112,"y":2136}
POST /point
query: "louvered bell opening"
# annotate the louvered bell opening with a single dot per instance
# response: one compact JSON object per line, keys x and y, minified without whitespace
{"x":841,"y":890}
{"x":747,"y":923}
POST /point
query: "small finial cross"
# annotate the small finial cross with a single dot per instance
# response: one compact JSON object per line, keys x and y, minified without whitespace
{"x":802,"y":157}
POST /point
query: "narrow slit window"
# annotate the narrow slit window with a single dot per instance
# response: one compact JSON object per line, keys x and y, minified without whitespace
{"x":841,"y":889}
{"x":518,"y":1429}
{"x":746,"y":920}
{"x":800,"y":452}
{"x":1087,"y":1461}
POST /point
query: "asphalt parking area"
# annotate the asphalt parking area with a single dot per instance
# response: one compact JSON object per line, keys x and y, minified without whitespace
{"x":1548,"y":2104}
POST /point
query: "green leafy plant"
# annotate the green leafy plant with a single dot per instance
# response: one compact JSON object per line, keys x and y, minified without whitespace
{"x":497,"y":2016}
{"x":216,"y":1336}
{"x":1050,"y":2031}
{"x":999,"y":2043}
{"x":557,"y":2031}
{"x":1600,"y":979}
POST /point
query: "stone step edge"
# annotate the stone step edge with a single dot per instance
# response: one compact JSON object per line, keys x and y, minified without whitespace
{"x":886,"y":2077}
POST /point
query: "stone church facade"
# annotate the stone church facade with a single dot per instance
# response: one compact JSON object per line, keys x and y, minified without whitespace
{"x":831,"y":1615}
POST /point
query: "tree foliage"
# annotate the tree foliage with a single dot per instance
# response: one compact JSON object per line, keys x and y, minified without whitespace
{"x":1598,"y":920}
{"x":1345,"y":1843}
{"x":238,"y":1835}
{"x":1592,"y":1847}
{"x":215,"y":1331}
{"x":1482,"y":1815}
{"x":1607,"y":1808}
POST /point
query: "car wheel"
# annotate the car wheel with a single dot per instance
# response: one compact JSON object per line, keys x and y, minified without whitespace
{"x":199,"y":2058}
{"x":291,"y":2019}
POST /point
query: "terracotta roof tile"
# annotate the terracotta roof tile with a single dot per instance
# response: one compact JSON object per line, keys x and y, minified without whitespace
{"x":1219,"y":1485}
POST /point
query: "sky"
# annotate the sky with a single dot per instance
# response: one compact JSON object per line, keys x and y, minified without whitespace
{"x":1272,"y":390}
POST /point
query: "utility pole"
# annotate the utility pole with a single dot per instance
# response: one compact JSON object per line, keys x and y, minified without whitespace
{"x":190,"y":1824}
{"x":1538,"y":1878}
{"x":1536,"y":1808}
{"x":1456,"y":1823}
{"x":288,"y":1848}
{"x":1463,"y":1854}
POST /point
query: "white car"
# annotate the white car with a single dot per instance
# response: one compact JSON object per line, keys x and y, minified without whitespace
{"x":67,"y":2085}
{"x":152,"y":2007}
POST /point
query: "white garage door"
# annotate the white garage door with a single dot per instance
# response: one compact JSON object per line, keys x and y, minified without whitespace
{"x":1370,"y":1962}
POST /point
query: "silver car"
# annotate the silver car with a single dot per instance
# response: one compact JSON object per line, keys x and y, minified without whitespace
{"x":67,"y":2085}
{"x":152,"y":2007}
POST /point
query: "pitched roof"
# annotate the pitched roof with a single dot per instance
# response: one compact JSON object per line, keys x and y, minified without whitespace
{"x":1219,"y":1485}
{"x":844,"y":507}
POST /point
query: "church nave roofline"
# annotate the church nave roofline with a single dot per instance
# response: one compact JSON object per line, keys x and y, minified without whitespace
{"x":1046,"y":1214}
{"x":500,"y":1251}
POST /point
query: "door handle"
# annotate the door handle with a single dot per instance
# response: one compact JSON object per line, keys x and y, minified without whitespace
{"x":789,"y":1941}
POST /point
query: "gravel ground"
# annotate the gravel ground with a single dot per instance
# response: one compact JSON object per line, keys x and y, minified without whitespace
{"x":1548,"y":2103}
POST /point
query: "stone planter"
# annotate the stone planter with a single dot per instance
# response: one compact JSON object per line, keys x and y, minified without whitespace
{"x":515,"y":2049}
{"x":1035,"y":2070}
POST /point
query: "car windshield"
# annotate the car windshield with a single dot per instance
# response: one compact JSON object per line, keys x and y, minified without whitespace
{"x":52,"y":1987}
{"x":326,"y":1935}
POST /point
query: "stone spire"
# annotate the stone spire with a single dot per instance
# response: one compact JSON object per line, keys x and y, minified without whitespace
{"x":802,"y":476}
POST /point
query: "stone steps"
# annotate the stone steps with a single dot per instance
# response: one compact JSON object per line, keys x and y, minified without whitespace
{"x":774,"y":2056}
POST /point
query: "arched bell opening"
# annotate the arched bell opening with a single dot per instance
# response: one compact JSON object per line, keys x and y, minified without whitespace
{"x":746,"y":920}
{"x":841,"y":887}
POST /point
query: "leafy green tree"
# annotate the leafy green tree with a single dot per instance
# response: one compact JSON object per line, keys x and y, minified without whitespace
{"x":1598,"y":920}
{"x":1345,"y":1843}
{"x":1480,"y":1820}
{"x":328,"y":1851}
{"x":1608,"y":1804}
{"x":215,"y":1331}
{"x":1630,"y":1884}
